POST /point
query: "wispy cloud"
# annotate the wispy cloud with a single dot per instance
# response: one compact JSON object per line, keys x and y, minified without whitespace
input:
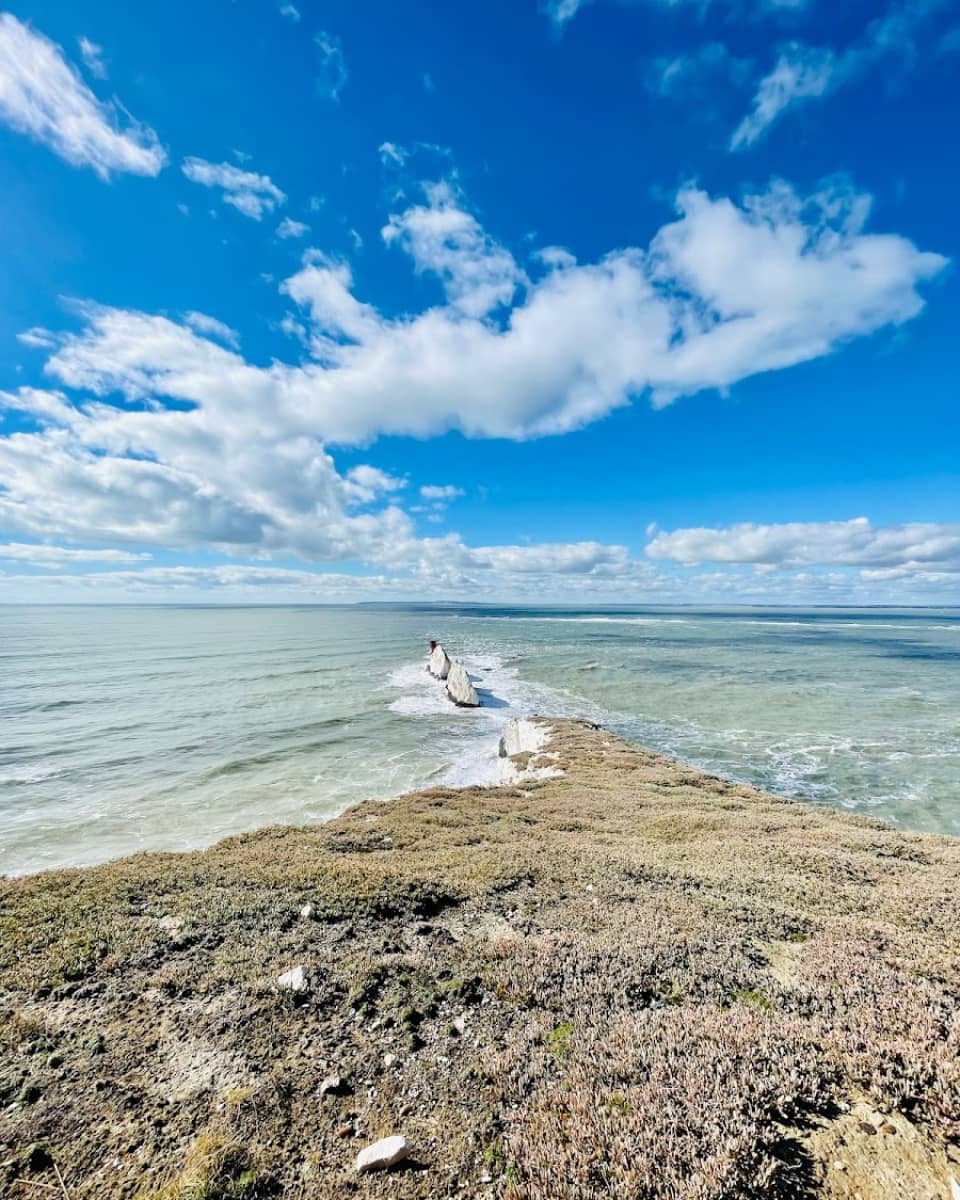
{"x":42,"y":555}
{"x":288,"y":228}
{"x":92,"y":56}
{"x":803,"y":72}
{"x":332,"y":73}
{"x":246,"y":191}
{"x":690,"y":72}
{"x":290,"y":11}
{"x":211,"y":327}
{"x":43,"y":96}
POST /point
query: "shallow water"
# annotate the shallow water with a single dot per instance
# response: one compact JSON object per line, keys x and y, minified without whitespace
{"x":124,"y":729}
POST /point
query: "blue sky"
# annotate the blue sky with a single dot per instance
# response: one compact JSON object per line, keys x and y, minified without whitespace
{"x":606,"y":302}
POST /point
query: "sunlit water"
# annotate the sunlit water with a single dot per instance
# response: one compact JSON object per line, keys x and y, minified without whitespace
{"x":125,"y":729}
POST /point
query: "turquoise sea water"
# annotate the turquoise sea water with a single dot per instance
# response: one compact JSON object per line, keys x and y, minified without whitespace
{"x":124,"y":729}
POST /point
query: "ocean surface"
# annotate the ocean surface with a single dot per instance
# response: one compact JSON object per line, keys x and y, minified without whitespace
{"x":139,"y":728}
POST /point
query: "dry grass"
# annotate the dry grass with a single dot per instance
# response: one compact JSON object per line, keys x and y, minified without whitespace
{"x":632,"y":981}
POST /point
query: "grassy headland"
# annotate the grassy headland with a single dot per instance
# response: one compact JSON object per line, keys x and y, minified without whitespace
{"x":632,"y":980}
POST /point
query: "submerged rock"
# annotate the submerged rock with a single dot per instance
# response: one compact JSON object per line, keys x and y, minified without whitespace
{"x":459,"y":688}
{"x":438,"y":664}
{"x":383,"y":1154}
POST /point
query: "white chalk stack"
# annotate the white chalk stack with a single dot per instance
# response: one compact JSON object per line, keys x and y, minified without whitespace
{"x":459,"y":688}
{"x":438,"y":664}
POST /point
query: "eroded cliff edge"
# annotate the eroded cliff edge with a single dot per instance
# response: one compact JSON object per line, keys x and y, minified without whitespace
{"x":628,"y":979}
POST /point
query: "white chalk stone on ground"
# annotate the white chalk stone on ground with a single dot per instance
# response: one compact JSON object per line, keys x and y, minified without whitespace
{"x":383,"y":1154}
{"x":296,"y":980}
{"x":459,"y":688}
{"x":438,"y":664}
{"x":308,"y":911}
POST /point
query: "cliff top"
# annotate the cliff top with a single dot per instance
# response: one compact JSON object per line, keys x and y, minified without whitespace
{"x":630,"y":979}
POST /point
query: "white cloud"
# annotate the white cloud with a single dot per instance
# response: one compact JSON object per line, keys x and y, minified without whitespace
{"x":288,"y":228}
{"x":43,"y":96}
{"x":332,"y":73}
{"x":477,"y":273}
{"x":898,"y":548}
{"x":37,"y":338}
{"x":689,"y":73}
{"x":240,"y":464}
{"x":364,"y":484}
{"x":41,"y":555}
{"x":443,"y":492}
{"x":204,"y":324}
{"x":246,"y":191}
{"x":393,"y":155}
{"x":801,"y":72}
{"x":92,"y":56}
{"x":722,"y":293}
{"x":804,"y":72}
{"x":562,"y":11}
{"x":290,"y":11}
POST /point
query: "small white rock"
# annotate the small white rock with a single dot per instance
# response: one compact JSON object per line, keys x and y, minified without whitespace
{"x":308,"y":912}
{"x":389,"y":1060}
{"x":383,"y":1154}
{"x":332,"y":1083}
{"x":954,"y":1188}
{"x":460,"y":1024}
{"x":296,"y":980}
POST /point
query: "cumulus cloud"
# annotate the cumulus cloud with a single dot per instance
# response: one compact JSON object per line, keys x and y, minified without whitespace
{"x":900,"y":549}
{"x":722,"y":293}
{"x":478,"y":274}
{"x":241,"y":464}
{"x":332,"y":73}
{"x":44,"y":97}
{"x":364,"y":484}
{"x":246,"y":191}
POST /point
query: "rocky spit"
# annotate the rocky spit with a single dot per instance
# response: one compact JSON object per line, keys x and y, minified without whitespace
{"x":610,"y":976}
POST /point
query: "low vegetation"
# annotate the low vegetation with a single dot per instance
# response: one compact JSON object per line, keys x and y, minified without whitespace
{"x":631,"y":981}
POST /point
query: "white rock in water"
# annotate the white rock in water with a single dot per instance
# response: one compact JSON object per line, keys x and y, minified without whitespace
{"x":438,"y":664}
{"x":459,"y":688}
{"x":385,"y":1153}
{"x":296,"y":981}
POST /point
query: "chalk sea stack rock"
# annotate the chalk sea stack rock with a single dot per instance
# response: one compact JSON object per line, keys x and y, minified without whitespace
{"x":438,"y":664}
{"x":459,"y":688}
{"x":383,"y":1154}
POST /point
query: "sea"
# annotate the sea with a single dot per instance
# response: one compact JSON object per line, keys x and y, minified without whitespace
{"x":136,"y":728}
